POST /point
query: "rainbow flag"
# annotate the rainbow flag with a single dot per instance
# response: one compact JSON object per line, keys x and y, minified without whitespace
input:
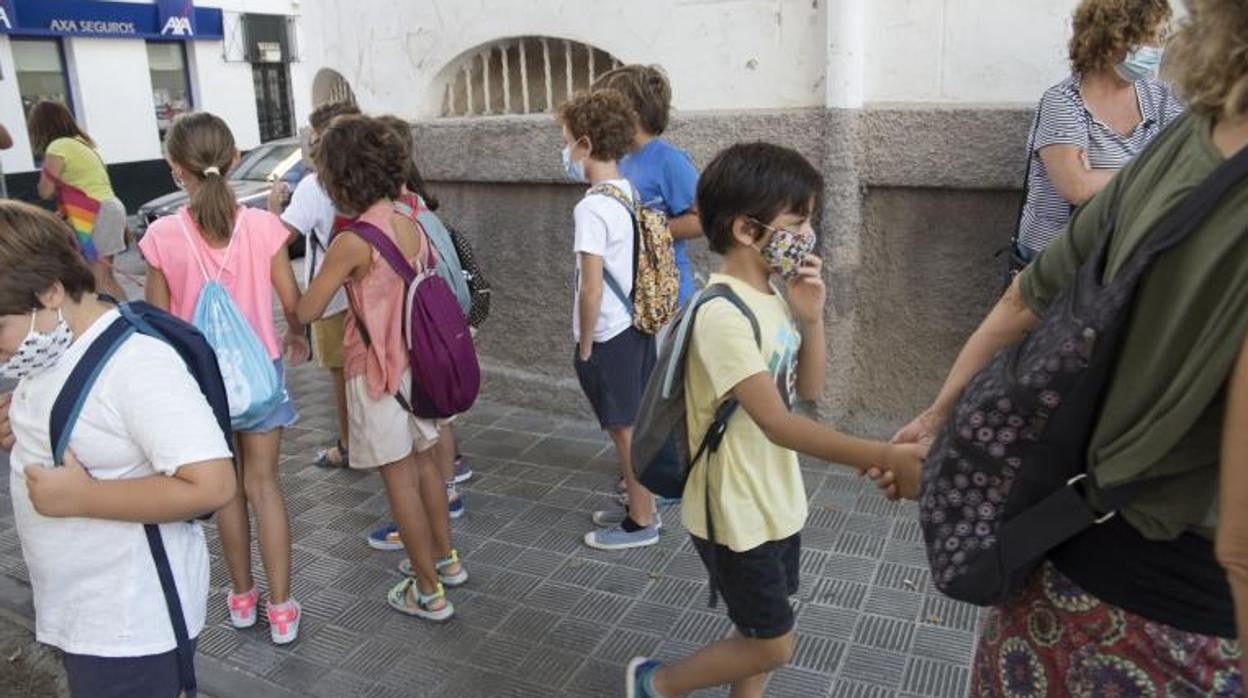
{"x":80,"y":211}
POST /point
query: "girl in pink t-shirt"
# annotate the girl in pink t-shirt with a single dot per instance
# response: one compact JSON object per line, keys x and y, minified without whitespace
{"x":361,"y":164}
{"x":248,"y":248}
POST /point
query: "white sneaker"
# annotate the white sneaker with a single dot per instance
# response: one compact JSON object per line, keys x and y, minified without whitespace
{"x":284,"y":621}
{"x":243,"y":608}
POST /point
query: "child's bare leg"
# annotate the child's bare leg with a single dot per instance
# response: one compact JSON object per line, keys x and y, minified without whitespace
{"x":264,"y":492}
{"x":741,"y":661}
{"x":444,"y":453}
{"x":235,"y":530}
{"x":433,"y":497}
{"x":406,"y":506}
{"x":640,"y":500}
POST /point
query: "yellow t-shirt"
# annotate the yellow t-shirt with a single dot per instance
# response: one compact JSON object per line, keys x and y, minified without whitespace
{"x":756,"y":486}
{"x":83,"y":168}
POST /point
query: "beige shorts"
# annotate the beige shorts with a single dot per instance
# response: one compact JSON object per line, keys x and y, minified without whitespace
{"x":327,"y":337}
{"x":109,"y":233}
{"x":381,"y":431}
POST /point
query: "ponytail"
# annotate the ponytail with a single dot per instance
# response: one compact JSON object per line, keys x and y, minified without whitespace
{"x":203,"y":146}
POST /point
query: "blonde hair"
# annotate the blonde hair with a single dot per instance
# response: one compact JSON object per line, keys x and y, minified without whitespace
{"x":203,"y":146}
{"x":647,"y":89}
{"x":1208,"y":59}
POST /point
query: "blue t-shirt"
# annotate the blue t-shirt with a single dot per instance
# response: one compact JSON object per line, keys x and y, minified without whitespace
{"x":666,"y":180}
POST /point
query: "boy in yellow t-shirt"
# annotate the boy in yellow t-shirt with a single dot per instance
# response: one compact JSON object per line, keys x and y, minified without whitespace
{"x":756,"y":201}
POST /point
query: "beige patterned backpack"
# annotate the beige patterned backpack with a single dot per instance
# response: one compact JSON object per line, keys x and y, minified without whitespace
{"x":656,"y":280}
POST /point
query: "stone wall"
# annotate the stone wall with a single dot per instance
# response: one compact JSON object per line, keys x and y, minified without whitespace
{"x":917,"y":200}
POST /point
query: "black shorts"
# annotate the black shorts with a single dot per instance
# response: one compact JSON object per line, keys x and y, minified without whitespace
{"x":756,"y":584}
{"x":615,"y":376}
{"x":153,"y":675}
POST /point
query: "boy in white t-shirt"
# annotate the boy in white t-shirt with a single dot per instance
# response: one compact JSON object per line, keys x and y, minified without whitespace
{"x":311,"y":214}
{"x":613,"y":359}
{"x":146,"y":448}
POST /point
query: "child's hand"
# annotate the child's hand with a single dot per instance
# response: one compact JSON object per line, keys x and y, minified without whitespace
{"x":898,"y":477}
{"x":807,"y":292}
{"x":296,"y":349}
{"x":6,"y":428}
{"x":58,"y":491}
{"x":277,"y":196}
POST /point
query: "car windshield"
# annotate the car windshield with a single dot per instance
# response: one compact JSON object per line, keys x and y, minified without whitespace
{"x":262,"y":161}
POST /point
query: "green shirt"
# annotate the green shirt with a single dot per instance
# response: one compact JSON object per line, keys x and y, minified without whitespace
{"x":83,"y":168}
{"x":1164,"y":408}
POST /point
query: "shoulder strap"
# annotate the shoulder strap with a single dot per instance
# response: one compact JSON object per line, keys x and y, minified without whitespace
{"x":229,"y":246}
{"x":1185,"y":218}
{"x":386,"y":247}
{"x":616,"y":194}
{"x":65,"y":411}
{"x":73,"y":395}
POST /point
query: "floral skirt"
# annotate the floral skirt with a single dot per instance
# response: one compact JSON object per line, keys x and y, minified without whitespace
{"x":1057,"y":640}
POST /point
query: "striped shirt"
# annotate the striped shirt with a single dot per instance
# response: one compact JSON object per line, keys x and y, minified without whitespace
{"x":1062,"y":118}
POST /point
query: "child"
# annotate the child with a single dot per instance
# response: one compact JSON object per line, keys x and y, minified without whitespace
{"x":248,"y":246}
{"x":145,"y":449}
{"x":756,"y":203}
{"x":311,"y":214}
{"x":663,"y":174}
{"x":613,"y":360}
{"x":362,"y":165}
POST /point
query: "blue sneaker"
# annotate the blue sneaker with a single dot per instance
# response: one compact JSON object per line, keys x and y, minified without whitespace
{"x":614,"y":517}
{"x":385,"y":537}
{"x":463,"y":471}
{"x":454,"y":500}
{"x":618,"y":539}
{"x":637,"y":682}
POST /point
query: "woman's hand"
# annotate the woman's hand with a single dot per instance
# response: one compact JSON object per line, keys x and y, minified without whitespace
{"x":807,"y":292}
{"x":921,"y":430}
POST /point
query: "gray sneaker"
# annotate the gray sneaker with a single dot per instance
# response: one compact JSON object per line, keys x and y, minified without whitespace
{"x":609,"y":518}
{"x":618,"y":539}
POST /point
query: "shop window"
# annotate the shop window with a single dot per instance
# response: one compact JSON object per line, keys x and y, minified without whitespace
{"x":171,"y":90}
{"x":40,"y":68}
{"x":525,"y":75}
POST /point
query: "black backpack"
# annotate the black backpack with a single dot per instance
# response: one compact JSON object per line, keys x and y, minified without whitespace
{"x":201,"y":362}
{"x":1006,"y":480}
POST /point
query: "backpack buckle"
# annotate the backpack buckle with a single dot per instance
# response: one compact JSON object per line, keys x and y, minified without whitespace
{"x":1076,"y":483}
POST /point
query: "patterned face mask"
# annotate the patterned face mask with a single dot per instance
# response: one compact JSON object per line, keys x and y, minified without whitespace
{"x":786,"y":249}
{"x":39,"y":351}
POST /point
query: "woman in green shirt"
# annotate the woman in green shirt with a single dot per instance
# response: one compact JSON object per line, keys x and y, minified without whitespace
{"x":75,"y":176}
{"x":1151,"y":602}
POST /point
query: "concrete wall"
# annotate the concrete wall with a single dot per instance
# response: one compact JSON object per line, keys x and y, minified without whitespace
{"x":916,"y":203}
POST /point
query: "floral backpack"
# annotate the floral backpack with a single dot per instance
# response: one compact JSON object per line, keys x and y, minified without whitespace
{"x":656,"y":280}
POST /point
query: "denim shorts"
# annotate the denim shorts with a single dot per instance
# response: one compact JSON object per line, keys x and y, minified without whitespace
{"x":283,"y":415}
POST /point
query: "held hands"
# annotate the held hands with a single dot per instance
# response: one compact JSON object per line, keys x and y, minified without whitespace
{"x":898,"y":477}
{"x":278,"y":193}
{"x":6,"y":428}
{"x":807,"y":292}
{"x":59,"y":491}
{"x":295,"y":349}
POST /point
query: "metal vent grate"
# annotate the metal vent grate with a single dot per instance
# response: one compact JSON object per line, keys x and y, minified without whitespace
{"x":527,"y":75}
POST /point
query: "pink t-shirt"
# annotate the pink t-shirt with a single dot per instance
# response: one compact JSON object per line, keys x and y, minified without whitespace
{"x":258,"y":235}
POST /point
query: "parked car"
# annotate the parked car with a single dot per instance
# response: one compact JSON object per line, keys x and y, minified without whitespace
{"x":250,"y":180}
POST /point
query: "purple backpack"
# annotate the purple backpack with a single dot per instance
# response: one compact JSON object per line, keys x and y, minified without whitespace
{"x":446,"y":377}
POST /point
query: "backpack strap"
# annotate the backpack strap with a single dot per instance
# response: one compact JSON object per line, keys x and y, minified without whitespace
{"x":386,"y":247}
{"x":616,"y":194}
{"x":65,"y":412}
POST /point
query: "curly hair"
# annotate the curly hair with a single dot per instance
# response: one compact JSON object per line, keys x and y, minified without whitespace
{"x":415,"y":182}
{"x":360,"y":161}
{"x":646,"y":86}
{"x":604,"y":117}
{"x":1105,"y":29}
{"x":322,"y":115}
{"x":1209,"y":58}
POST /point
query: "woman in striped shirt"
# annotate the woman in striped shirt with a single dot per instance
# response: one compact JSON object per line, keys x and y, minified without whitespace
{"x":1100,"y":117}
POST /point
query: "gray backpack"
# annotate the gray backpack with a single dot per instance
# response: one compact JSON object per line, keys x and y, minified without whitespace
{"x":661,"y":458}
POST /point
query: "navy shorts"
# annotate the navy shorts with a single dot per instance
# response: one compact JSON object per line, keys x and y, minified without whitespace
{"x":150,"y":676}
{"x":615,"y":376}
{"x":756,"y":584}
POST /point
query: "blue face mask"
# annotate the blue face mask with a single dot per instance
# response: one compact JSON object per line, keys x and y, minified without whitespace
{"x":1140,"y":64}
{"x":574,"y":171}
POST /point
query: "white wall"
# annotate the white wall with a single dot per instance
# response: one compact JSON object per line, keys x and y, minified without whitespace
{"x":12,"y":116}
{"x":225,"y":89}
{"x":112,"y":89}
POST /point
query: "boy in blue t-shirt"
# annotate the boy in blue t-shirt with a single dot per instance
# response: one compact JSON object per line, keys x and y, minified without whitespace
{"x":663,"y":174}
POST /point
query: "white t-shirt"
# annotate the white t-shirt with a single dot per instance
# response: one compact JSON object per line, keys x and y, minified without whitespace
{"x":94,"y":581}
{"x":312,"y":213}
{"x":605,"y":228}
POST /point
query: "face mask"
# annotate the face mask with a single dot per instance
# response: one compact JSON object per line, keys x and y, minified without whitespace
{"x":786,"y":249}
{"x":574,"y":171}
{"x":39,"y":351}
{"x":1140,"y":64}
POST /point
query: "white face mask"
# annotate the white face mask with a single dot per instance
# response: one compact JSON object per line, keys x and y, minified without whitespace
{"x":39,"y":351}
{"x":573,"y":170}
